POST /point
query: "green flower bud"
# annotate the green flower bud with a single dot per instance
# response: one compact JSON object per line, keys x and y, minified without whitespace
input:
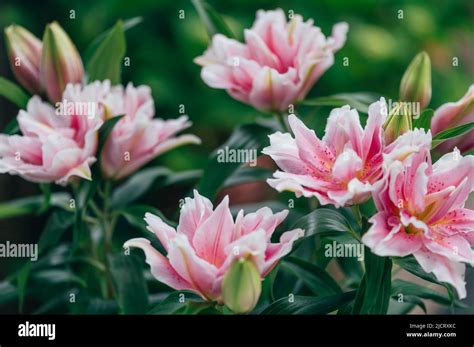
{"x":416,"y":82}
{"x":241,"y":286}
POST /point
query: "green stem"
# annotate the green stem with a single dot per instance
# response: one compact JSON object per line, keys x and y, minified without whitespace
{"x":282,"y":120}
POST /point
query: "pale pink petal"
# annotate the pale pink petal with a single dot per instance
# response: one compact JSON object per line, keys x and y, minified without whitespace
{"x":163,"y":231}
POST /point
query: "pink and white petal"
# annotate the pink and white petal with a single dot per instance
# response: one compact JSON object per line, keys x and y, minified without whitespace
{"x":338,"y":36}
{"x":311,"y":149}
{"x":163,"y":231}
{"x":385,"y":240}
{"x":276,"y":251}
{"x":342,"y":128}
{"x":217,"y":76}
{"x":263,"y":219}
{"x":214,"y":234}
{"x":444,"y":269}
{"x":455,"y":248}
{"x":372,"y":141}
{"x":355,"y":192}
{"x":159,"y":265}
{"x":194,"y":213}
{"x":406,"y":144}
{"x":252,"y":245}
{"x":259,"y":50}
{"x":347,"y":165}
{"x":193,"y":269}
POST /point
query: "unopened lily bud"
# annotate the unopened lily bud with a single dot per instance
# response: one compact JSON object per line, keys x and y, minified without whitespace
{"x":60,"y":62}
{"x":241,"y":286}
{"x":24,"y":53}
{"x":398,"y":122}
{"x":416,"y":82}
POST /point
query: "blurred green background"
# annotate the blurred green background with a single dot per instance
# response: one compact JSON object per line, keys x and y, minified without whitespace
{"x":161,"y":49}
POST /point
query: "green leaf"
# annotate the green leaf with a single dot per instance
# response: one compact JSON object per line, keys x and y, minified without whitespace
{"x":176,"y":303}
{"x":325,"y":221}
{"x":424,"y":119}
{"x":136,"y":186}
{"x":315,"y":278}
{"x":373,"y":295}
{"x":211,"y":19}
{"x":13,"y":92}
{"x":106,"y":61}
{"x":129,"y":283}
{"x":247,"y":174}
{"x":53,"y":277}
{"x":412,"y":289}
{"x":451,"y":133}
{"x":250,"y":137}
{"x":309,"y":304}
{"x":135,"y":215}
{"x":359,"y":101}
{"x":105,"y":131}
{"x":22,"y":281}
{"x":30,"y":205}
{"x":58,"y":222}
{"x":92,"y":48}
{"x":12,"y":127}
{"x":411,"y":265}
{"x":8,"y":293}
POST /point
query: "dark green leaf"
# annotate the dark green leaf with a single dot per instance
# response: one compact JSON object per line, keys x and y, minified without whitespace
{"x":135,"y":215}
{"x":106,"y":61}
{"x":315,"y":278}
{"x":250,"y":137}
{"x":175,"y":303}
{"x":211,"y":19}
{"x":12,"y":127}
{"x":105,"y":131}
{"x":373,"y":295}
{"x":8,"y":293}
{"x":22,"y":281}
{"x":129,"y":283}
{"x":451,"y":133}
{"x":411,"y":265}
{"x":13,"y":92}
{"x":412,"y":289}
{"x":359,"y":101}
{"x":309,"y":304}
{"x":247,"y":174}
{"x":57,"y":277}
{"x":424,"y":120}
{"x":58,"y":222}
{"x":324,"y":221}
{"x":30,"y":205}
{"x":136,"y":186}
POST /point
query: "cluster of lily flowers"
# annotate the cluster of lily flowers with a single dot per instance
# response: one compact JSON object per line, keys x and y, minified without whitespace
{"x":420,"y":204}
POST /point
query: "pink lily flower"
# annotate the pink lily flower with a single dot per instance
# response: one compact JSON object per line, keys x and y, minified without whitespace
{"x":53,"y":148}
{"x":341,"y":168}
{"x":278,"y":63}
{"x":207,"y":242}
{"x":453,"y":114}
{"x":421,"y":212}
{"x":138,"y":138}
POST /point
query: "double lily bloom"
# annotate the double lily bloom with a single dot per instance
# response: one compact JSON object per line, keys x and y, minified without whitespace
{"x":278,"y":63}
{"x":208,"y":242}
{"x":339,"y":169}
{"x":421,"y":212}
{"x":57,"y":146}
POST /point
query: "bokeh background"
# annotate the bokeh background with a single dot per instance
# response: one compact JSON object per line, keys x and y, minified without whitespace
{"x":161,"y":49}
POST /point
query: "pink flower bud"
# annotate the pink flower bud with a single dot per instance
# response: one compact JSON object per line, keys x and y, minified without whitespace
{"x":60,"y":62}
{"x":24,"y":52}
